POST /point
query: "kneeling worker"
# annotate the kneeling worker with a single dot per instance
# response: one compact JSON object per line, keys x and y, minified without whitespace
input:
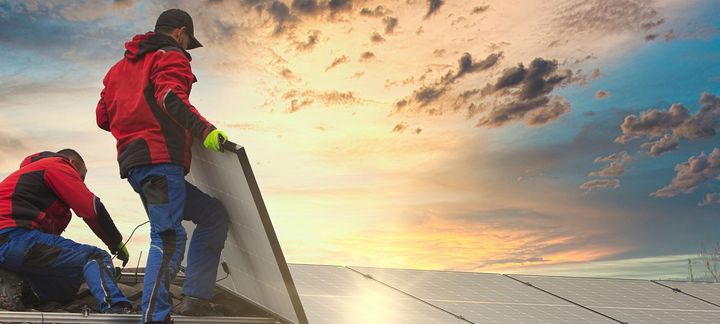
{"x":35,"y":204}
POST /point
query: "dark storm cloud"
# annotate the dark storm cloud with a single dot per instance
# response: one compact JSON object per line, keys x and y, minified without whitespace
{"x":390,"y":24}
{"x":601,"y":94}
{"x":677,"y":122}
{"x":600,"y":183}
{"x":696,"y":171}
{"x":433,"y":6}
{"x":338,"y":61}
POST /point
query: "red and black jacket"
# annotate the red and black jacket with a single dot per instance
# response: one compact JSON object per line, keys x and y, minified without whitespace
{"x":40,"y":194}
{"x":145,"y":104}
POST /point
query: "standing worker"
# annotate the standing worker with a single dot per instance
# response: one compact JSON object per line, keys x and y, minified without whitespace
{"x":145,"y":105}
{"x":35,"y":204}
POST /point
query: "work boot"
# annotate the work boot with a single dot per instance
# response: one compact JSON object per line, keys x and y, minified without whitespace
{"x":121,"y":308}
{"x":193,"y":306}
{"x":11,"y":287}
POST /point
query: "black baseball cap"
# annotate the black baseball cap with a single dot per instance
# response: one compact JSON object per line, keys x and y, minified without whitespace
{"x":178,"y":18}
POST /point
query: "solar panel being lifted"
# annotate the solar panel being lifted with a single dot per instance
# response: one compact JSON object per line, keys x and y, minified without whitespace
{"x":257,"y":268}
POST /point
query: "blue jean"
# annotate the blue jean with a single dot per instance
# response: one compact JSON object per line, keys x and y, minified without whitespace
{"x":54,"y":267}
{"x":168,"y":199}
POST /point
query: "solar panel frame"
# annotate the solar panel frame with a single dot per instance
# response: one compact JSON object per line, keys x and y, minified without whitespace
{"x":708,"y":292}
{"x":626,"y":300}
{"x":475,"y":296}
{"x":249,"y":266}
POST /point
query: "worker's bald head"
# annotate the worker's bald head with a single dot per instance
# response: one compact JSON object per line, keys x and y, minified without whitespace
{"x":76,"y":160}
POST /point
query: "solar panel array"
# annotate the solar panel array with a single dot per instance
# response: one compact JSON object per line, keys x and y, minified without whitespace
{"x":333,"y":294}
{"x":258,"y":271}
{"x":627,"y":300}
{"x":483,"y":297}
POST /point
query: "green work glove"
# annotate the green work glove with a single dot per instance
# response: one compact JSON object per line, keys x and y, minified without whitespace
{"x":122,"y":253}
{"x":215,"y":139}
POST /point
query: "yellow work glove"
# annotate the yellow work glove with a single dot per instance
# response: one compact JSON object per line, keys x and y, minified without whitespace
{"x":215,"y":139}
{"x":122,"y":253}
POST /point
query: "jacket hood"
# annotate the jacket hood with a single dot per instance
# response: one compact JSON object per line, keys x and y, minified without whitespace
{"x":142,"y":44}
{"x":40,"y":156}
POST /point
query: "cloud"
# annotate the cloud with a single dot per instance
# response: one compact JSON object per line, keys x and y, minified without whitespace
{"x":607,"y":16}
{"x":615,"y":169}
{"x":651,"y":37}
{"x":480,"y":9}
{"x":287,"y":74}
{"x":710,"y":198}
{"x":615,"y":157}
{"x":339,"y":5}
{"x":600,"y":183}
{"x":338,"y":61}
{"x":281,"y":14}
{"x":601,"y":94}
{"x":401,"y":127}
{"x":417,"y":131}
{"x":312,"y":40}
{"x":430,"y":93}
{"x":433,"y":6}
{"x":390,"y":24}
{"x":377,"y":38}
{"x":440,"y":52}
{"x":305,"y":6}
{"x":670,"y":35}
{"x":302,"y":99}
{"x":677,"y":122}
{"x":691,"y":174}
{"x":666,"y":143}
{"x":379,"y":11}
{"x":523,"y":93}
{"x":595,"y":74}
{"x":367,"y":56}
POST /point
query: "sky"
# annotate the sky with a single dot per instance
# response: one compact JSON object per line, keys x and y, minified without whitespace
{"x":540,"y":136}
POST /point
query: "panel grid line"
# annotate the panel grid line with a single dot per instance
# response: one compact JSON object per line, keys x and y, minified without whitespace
{"x":458,"y":316}
{"x":565,"y":299}
{"x":677,"y":290}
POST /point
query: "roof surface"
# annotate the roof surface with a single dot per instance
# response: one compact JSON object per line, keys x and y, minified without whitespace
{"x":336,"y":294}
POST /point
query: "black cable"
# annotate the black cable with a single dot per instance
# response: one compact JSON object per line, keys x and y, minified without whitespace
{"x":227,"y":271}
{"x":128,"y":240}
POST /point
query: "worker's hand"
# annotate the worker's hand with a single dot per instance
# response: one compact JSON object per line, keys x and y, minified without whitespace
{"x":122,"y":253}
{"x":215,"y":139}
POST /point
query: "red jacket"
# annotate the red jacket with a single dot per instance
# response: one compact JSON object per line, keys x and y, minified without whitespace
{"x":145,"y":104}
{"x":40,"y":194}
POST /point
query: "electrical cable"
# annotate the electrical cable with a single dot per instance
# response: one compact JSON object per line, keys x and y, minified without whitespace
{"x":128,"y":240}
